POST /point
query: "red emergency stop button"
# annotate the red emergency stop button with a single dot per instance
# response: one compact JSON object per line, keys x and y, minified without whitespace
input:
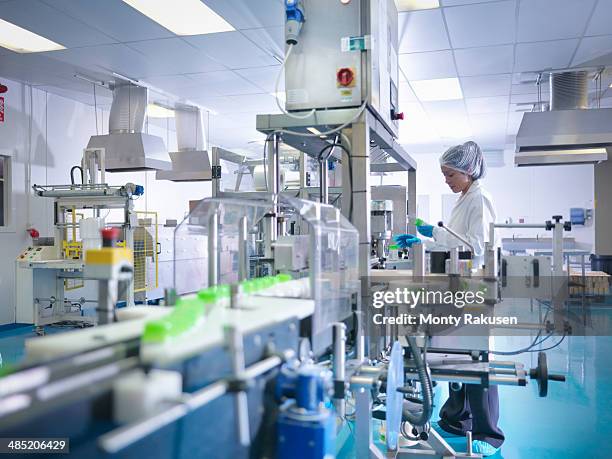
{"x":345,"y":77}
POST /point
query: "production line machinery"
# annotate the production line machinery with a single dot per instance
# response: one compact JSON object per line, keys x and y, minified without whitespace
{"x":239,"y":352}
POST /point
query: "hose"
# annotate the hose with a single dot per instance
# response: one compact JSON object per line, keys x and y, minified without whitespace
{"x":72,"y":174}
{"x":425,"y":415}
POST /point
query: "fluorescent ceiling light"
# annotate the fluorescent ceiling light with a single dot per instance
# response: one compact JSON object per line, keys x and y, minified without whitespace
{"x":439,"y":89}
{"x":23,"y":41}
{"x":414,"y":5}
{"x":183,"y":17}
{"x":157,"y":111}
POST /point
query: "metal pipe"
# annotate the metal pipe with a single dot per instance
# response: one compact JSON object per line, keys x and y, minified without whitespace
{"x":243,"y":256}
{"x":468,"y":436}
{"x":235,"y":344}
{"x":323,"y":181}
{"x":519,"y":225}
{"x":338,"y":367}
{"x":458,"y":236}
{"x":213,"y":248}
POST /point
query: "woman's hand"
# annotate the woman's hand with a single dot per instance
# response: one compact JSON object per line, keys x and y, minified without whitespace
{"x":405,"y":241}
{"x":425,"y":230}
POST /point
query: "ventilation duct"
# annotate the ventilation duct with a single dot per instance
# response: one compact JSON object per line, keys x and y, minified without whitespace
{"x":191,"y":162}
{"x":126,"y":147}
{"x":569,"y":133}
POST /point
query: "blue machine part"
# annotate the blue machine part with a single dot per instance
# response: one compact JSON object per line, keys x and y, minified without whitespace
{"x":293,"y":10}
{"x":139,"y":190}
{"x":306,"y":428}
{"x":577,"y":216}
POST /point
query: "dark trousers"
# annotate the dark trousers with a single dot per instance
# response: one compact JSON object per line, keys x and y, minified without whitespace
{"x":473,"y":408}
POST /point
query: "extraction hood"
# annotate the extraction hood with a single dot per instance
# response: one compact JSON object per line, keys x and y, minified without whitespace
{"x":569,"y":133}
{"x":126,"y":147}
{"x":191,"y":162}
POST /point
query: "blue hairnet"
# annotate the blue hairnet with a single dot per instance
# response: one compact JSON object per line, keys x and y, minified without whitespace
{"x":466,"y":158}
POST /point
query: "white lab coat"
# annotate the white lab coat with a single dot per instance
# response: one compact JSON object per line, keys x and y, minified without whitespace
{"x":471,"y":217}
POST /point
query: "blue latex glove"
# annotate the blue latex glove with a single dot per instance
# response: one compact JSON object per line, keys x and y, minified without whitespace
{"x":405,"y":241}
{"x":425,"y":230}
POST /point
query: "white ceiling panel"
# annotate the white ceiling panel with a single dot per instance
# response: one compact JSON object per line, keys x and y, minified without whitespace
{"x":485,"y":61}
{"x":250,"y":14}
{"x":173,"y":55}
{"x":406,"y":94}
{"x":109,"y":58}
{"x":463,"y":2}
{"x":541,"y":20}
{"x":544,"y":55}
{"x":44,"y":20}
{"x":445,"y":108}
{"x":487,"y":85}
{"x":260,"y":103}
{"x":171,"y":83}
{"x":235,"y":120}
{"x":421,"y":31}
{"x":232,"y":50}
{"x":263,"y":77}
{"x":484,"y":105}
{"x":600,"y":22}
{"x":225,"y":83}
{"x":271,"y":39}
{"x":482,"y":24}
{"x":115,"y":18}
{"x":593,"y":49}
{"x":426,"y":66}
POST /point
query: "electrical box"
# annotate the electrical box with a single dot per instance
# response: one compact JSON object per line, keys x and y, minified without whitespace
{"x":291,"y":253}
{"x":346,"y":53}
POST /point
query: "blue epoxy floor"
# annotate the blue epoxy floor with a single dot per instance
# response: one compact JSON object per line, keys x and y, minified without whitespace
{"x":574,"y":421}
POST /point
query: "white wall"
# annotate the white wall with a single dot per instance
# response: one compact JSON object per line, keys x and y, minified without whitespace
{"x":534,"y":193}
{"x":49,"y":132}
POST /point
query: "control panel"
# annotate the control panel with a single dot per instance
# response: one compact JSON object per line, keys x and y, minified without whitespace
{"x":37,"y":254}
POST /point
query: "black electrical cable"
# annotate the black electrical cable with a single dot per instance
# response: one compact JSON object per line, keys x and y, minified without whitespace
{"x":536,"y":341}
{"x":330,"y":147}
{"x":72,"y":174}
{"x":425,"y":415}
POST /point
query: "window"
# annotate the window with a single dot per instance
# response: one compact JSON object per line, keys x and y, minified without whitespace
{"x":4,"y":190}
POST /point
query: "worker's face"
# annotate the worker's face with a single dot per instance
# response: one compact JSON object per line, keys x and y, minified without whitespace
{"x":457,"y":181}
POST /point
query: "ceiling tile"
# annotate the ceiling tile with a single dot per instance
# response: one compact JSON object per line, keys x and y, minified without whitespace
{"x":232,"y":49}
{"x":600,"y":21}
{"x":225,"y":83}
{"x":271,"y":39}
{"x":421,"y":31}
{"x":115,"y":18}
{"x":250,"y":14}
{"x":446,"y":108}
{"x":541,"y":20}
{"x":597,"y":49}
{"x":260,"y":103}
{"x":107,"y":59}
{"x":463,"y":2}
{"x":263,"y":77}
{"x":170,"y":83}
{"x":544,"y":55}
{"x":483,"y":105}
{"x":44,"y":20}
{"x":483,"y":24}
{"x":487,"y":126}
{"x":487,"y":85}
{"x":406,"y":94}
{"x":426,"y":66}
{"x":485,"y":61}
{"x":173,"y":55}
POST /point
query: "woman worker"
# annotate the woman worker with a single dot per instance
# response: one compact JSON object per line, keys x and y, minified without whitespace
{"x":472,"y":407}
